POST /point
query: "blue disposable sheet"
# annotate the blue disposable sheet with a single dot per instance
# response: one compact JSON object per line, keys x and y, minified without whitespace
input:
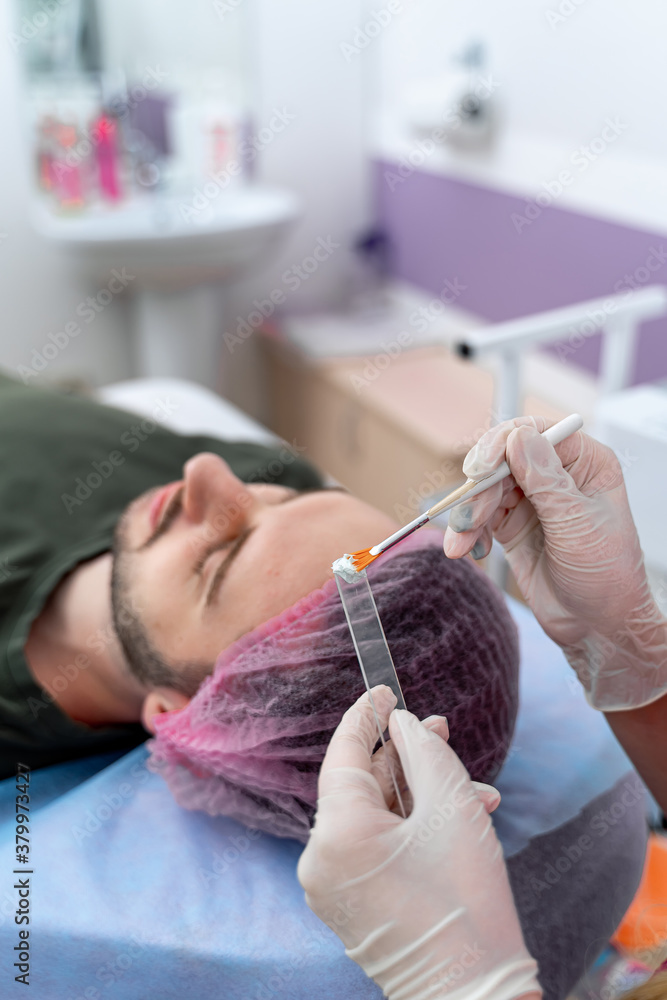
{"x":134,"y":897}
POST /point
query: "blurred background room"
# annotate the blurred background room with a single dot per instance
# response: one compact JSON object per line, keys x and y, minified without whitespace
{"x":331,"y":215}
{"x":375,"y":227}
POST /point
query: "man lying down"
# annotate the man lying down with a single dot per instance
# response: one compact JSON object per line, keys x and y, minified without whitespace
{"x":182,"y":585}
{"x":134,"y":558}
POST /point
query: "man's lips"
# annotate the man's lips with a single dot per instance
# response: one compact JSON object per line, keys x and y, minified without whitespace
{"x":159,"y":503}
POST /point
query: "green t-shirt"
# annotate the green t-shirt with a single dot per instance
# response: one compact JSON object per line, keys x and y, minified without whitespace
{"x":68,"y":469}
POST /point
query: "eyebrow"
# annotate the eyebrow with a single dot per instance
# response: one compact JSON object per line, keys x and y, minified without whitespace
{"x":173,"y":510}
{"x":238,"y":544}
{"x":171,"y":513}
{"x":223,"y":568}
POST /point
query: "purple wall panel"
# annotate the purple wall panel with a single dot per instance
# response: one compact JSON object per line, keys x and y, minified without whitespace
{"x":445,"y":229}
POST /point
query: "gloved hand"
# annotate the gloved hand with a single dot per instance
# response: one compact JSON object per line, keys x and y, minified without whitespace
{"x":564,"y":521}
{"x":422,"y":904}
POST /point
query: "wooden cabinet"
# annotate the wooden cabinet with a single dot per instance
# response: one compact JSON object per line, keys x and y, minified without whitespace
{"x":395,"y":430}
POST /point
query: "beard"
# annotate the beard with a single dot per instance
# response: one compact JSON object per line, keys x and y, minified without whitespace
{"x":144,"y":661}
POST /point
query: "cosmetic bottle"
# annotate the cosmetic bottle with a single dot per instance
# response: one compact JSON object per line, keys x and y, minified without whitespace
{"x":67,"y":167}
{"x":105,"y":132}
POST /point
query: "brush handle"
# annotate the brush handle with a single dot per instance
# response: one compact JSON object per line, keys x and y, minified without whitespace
{"x":554,"y":435}
{"x":563,"y":429}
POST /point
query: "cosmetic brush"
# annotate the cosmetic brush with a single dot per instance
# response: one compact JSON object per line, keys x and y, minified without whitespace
{"x":351,"y":563}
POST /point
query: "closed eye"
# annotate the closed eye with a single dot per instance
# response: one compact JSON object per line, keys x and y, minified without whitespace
{"x":207,"y":553}
{"x":235,"y":545}
{"x":223,"y":568}
{"x":227,"y":542}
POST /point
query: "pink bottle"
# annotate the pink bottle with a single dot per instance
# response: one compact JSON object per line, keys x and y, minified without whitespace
{"x":45,"y":152}
{"x":67,"y":169}
{"x":106,"y":134}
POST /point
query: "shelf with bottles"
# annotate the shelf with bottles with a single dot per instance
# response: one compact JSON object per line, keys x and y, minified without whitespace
{"x":91,"y":150}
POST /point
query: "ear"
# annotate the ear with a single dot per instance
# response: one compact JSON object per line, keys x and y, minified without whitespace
{"x":160,"y":700}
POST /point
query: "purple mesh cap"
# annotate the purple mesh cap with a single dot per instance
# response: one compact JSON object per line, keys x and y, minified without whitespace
{"x":251,"y":741}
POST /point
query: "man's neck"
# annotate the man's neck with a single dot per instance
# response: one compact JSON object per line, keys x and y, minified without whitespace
{"x":74,"y":654}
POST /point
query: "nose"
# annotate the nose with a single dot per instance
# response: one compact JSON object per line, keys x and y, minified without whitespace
{"x":213,"y":497}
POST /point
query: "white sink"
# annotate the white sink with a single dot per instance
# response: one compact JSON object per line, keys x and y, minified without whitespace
{"x":178,"y":259}
{"x":160,"y":237}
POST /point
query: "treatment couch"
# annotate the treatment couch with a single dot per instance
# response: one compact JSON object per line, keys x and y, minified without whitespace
{"x":134,"y":897}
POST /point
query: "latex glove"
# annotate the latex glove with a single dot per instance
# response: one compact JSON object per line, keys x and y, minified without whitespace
{"x":564,"y":521}
{"x":422,"y":904}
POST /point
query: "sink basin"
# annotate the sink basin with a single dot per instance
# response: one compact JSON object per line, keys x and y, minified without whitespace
{"x":163,"y":240}
{"x":179,"y":258}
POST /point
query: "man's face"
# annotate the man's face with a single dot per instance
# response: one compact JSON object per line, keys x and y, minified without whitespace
{"x":208,"y":558}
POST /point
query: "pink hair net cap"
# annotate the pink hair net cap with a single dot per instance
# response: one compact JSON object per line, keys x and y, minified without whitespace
{"x":251,"y":741}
